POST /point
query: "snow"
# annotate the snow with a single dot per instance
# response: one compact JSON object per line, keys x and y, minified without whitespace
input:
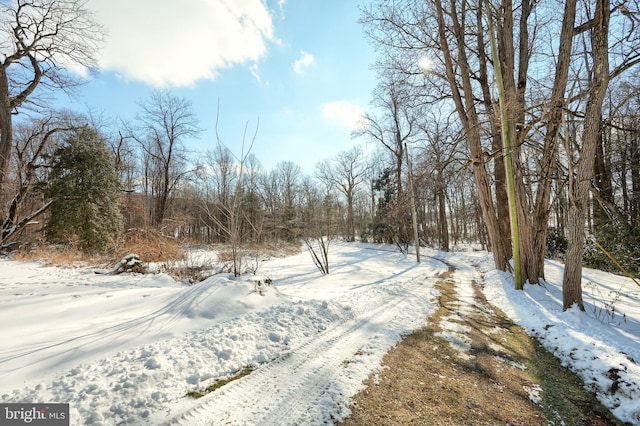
{"x":126,"y":349}
{"x":603,"y":349}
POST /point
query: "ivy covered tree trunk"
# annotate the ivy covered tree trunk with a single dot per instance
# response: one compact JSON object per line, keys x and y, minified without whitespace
{"x":505,"y":131}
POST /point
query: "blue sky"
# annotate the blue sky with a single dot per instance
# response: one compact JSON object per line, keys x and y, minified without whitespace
{"x":302,"y":67}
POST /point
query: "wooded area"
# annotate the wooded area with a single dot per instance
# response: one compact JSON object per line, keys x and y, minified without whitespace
{"x":559,"y":89}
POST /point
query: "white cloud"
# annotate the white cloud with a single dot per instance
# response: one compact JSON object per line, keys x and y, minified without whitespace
{"x":166,"y":42}
{"x":255,"y":72}
{"x":347,"y":114}
{"x":305,"y":61}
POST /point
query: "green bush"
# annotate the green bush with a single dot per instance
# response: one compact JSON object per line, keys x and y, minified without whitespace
{"x":556,"y":243}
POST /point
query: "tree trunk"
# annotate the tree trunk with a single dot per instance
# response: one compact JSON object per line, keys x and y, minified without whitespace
{"x":6,"y":128}
{"x":442,"y":220}
{"x":468,"y":115}
{"x":535,"y":220}
{"x":499,"y":175}
{"x":506,"y":124}
{"x":634,"y":164}
{"x":580,"y":180}
{"x":351,"y":224}
{"x":602,"y":181}
{"x":161,"y":208}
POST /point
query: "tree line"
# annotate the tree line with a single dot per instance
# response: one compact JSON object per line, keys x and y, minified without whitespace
{"x":509,"y":125}
{"x":67,"y":165}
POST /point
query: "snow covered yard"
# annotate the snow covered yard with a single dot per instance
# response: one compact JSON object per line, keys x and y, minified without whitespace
{"x":127,"y":349}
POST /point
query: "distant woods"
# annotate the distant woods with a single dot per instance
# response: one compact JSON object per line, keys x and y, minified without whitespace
{"x":225,"y":195}
{"x":567,"y":104}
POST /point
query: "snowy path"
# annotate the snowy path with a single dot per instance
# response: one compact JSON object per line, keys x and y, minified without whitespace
{"x":128,"y":349}
{"x":296,"y":388}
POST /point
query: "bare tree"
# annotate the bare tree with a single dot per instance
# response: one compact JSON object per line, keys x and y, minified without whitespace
{"x":228,"y":179}
{"x":219,"y":174}
{"x":345,"y":172}
{"x":317,"y":211}
{"x":439,"y":153}
{"x":166,"y":121}
{"x":285,"y":182}
{"x":395,"y":127}
{"x":453,"y":35}
{"x":459,"y":75}
{"x":254,"y":209}
{"x":41,"y":41}
{"x":33,"y":141}
{"x":449,"y":34}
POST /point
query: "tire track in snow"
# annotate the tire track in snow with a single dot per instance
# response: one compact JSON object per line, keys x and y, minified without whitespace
{"x":294,"y":388}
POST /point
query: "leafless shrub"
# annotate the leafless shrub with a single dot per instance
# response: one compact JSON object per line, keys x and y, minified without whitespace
{"x":604,"y":305}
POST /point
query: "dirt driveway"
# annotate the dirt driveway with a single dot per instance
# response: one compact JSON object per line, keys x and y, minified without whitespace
{"x":471,"y":365}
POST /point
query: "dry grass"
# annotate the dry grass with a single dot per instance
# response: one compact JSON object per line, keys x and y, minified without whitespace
{"x":217,"y":384}
{"x":428,"y":383}
{"x":154,"y":248}
{"x":150,"y":247}
{"x":59,"y":256}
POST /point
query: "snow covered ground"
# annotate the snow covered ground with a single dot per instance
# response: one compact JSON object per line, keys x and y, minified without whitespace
{"x":126,"y":349}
